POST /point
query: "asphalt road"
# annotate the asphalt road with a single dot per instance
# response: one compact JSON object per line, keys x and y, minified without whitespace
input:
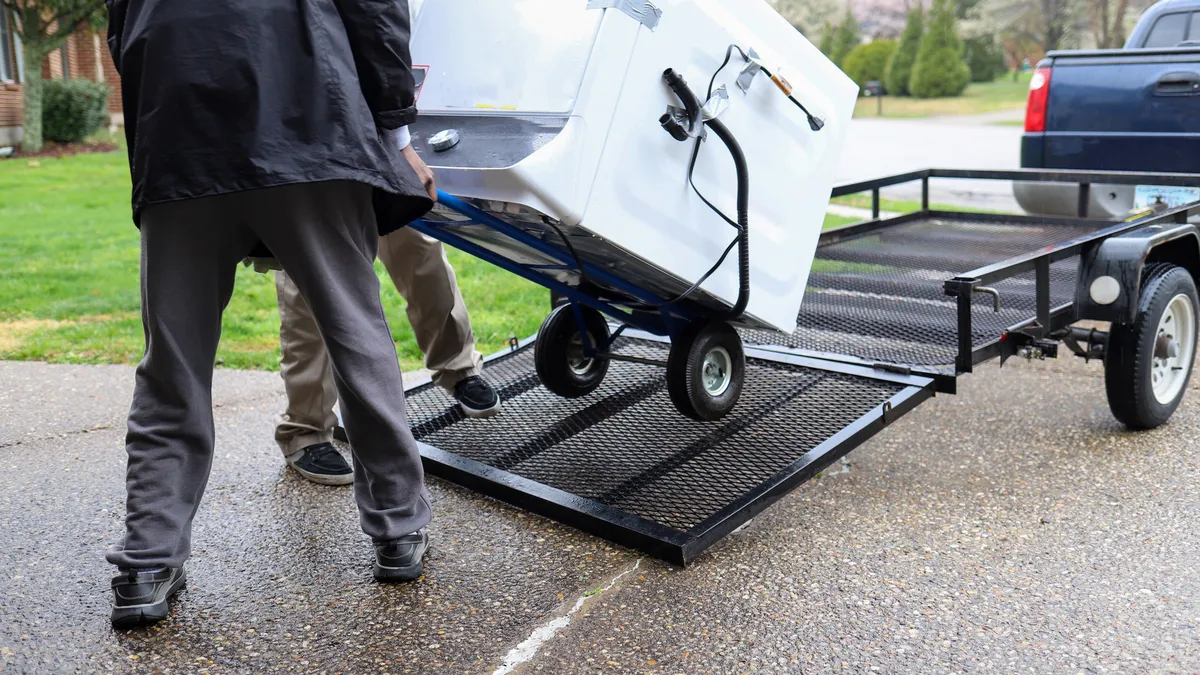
{"x":885,"y":147}
{"x":1012,"y":528}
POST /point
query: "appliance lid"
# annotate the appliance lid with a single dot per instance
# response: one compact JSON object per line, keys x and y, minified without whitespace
{"x":526,"y":56}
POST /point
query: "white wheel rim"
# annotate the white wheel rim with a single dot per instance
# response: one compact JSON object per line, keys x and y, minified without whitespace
{"x":716,"y":373}
{"x":1174,"y":349}
{"x":576,"y":360}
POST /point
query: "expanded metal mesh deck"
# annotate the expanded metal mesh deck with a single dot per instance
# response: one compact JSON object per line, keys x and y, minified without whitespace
{"x":880,"y":297}
{"x":625,"y":447}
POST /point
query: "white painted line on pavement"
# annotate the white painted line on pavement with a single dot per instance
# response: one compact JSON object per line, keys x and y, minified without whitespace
{"x":546,"y":632}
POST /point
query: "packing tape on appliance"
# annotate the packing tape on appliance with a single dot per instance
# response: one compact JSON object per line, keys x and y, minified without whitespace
{"x":643,"y":11}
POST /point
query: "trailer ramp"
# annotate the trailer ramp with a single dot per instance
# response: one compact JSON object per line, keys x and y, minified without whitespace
{"x":621,"y":463}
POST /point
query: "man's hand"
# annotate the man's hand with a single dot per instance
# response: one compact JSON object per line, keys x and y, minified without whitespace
{"x":399,"y":138}
{"x":423,"y":171}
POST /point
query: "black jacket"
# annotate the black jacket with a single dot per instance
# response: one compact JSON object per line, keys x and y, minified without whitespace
{"x":222,"y":96}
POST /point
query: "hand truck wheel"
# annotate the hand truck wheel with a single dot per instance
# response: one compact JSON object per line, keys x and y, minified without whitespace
{"x":559,"y":353}
{"x":705,"y":371}
{"x":1148,"y":363}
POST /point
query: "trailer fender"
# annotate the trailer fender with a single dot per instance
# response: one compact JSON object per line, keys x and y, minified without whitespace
{"x":1110,"y":273}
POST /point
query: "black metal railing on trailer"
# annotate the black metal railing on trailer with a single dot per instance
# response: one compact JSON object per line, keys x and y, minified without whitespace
{"x":934,"y":291}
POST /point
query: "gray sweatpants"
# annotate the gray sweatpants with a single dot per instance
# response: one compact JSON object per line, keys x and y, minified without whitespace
{"x":324,"y":235}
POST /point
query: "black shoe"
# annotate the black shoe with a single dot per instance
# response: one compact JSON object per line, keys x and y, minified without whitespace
{"x":476,"y":397}
{"x":400,"y":559}
{"x":322,"y":464}
{"x":140,"y":596}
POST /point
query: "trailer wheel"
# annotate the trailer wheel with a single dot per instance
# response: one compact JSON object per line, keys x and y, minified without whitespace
{"x":705,"y":371}
{"x":558,"y":352}
{"x":1149,"y":362}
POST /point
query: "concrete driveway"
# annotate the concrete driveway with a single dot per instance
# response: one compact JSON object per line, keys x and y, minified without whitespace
{"x":885,"y":147}
{"x":1013,"y":528}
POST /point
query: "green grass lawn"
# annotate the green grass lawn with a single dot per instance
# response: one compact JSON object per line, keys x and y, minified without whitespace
{"x":1003,"y":94}
{"x":69,"y":277}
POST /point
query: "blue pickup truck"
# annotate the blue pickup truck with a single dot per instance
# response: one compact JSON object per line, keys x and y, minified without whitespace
{"x":1131,"y":109}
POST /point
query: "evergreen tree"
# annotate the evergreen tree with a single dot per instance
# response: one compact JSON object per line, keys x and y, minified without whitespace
{"x":845,"y":38}
{"x":827,"y":35}
{"x":868,"y":63}
{"x":940,"y":70}
{"x":899,"y":70}
{"x":984,"y":57}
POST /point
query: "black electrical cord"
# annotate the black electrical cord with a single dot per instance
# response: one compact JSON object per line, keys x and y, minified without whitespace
{"x":688,"y":97}
{"x":570,"y":248}
{"x":743,"y":213}
{"x":815,"y":123}
{"x":682,"y":296}
{"x":700,"y":139}
{"x":694,"y":109}
{"x":695,"y":112}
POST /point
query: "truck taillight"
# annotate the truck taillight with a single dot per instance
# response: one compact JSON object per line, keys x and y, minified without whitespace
{"x":1039,"y":98}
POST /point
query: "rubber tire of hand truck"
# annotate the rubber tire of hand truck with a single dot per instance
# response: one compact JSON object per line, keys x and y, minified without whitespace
{"x":1130,"y":353}
{"x":558,"y":352}
{"x":686,"y":365}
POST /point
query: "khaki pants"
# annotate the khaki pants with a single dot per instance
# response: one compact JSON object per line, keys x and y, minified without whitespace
{"x":435,"y":308}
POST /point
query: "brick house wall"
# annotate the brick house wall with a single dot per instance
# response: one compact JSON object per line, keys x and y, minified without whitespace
{"x":89,"y":58}
{"x":110,"y":77}
{"x":52,"y":67}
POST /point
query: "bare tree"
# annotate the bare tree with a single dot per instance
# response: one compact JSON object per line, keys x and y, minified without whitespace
{"x":1046,"y":24}
{"x":1108,"y":22}
{"x":808,"y":15}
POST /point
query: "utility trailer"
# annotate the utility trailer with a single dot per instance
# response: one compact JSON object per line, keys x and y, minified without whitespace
{"x":895,"y":311}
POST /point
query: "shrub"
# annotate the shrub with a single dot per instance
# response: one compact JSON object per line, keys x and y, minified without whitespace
{"x":899,"y":69}
{"x":73,"y":109}
{"x":869,"y":62}
{"x":940,"y":70}
{"x":984,"y":58}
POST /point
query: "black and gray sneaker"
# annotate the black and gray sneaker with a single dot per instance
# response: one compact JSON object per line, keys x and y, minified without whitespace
{"x":401,"y":559}
{"x":140,"y":596}
{"x":323,"y":464}
{"x":476,"y":397}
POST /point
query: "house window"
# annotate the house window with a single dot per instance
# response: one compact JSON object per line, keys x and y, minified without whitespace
{"x":66,"y":64}
{"x":7,"y":66}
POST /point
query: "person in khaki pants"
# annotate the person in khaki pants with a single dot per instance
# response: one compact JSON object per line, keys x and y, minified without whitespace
{"x":421,"y":273}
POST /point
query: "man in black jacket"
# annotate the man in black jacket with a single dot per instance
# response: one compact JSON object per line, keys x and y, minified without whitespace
{"x":280,"y":123}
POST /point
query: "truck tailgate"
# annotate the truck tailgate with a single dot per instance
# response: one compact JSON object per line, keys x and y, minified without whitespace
{"x":1121,"y":111}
